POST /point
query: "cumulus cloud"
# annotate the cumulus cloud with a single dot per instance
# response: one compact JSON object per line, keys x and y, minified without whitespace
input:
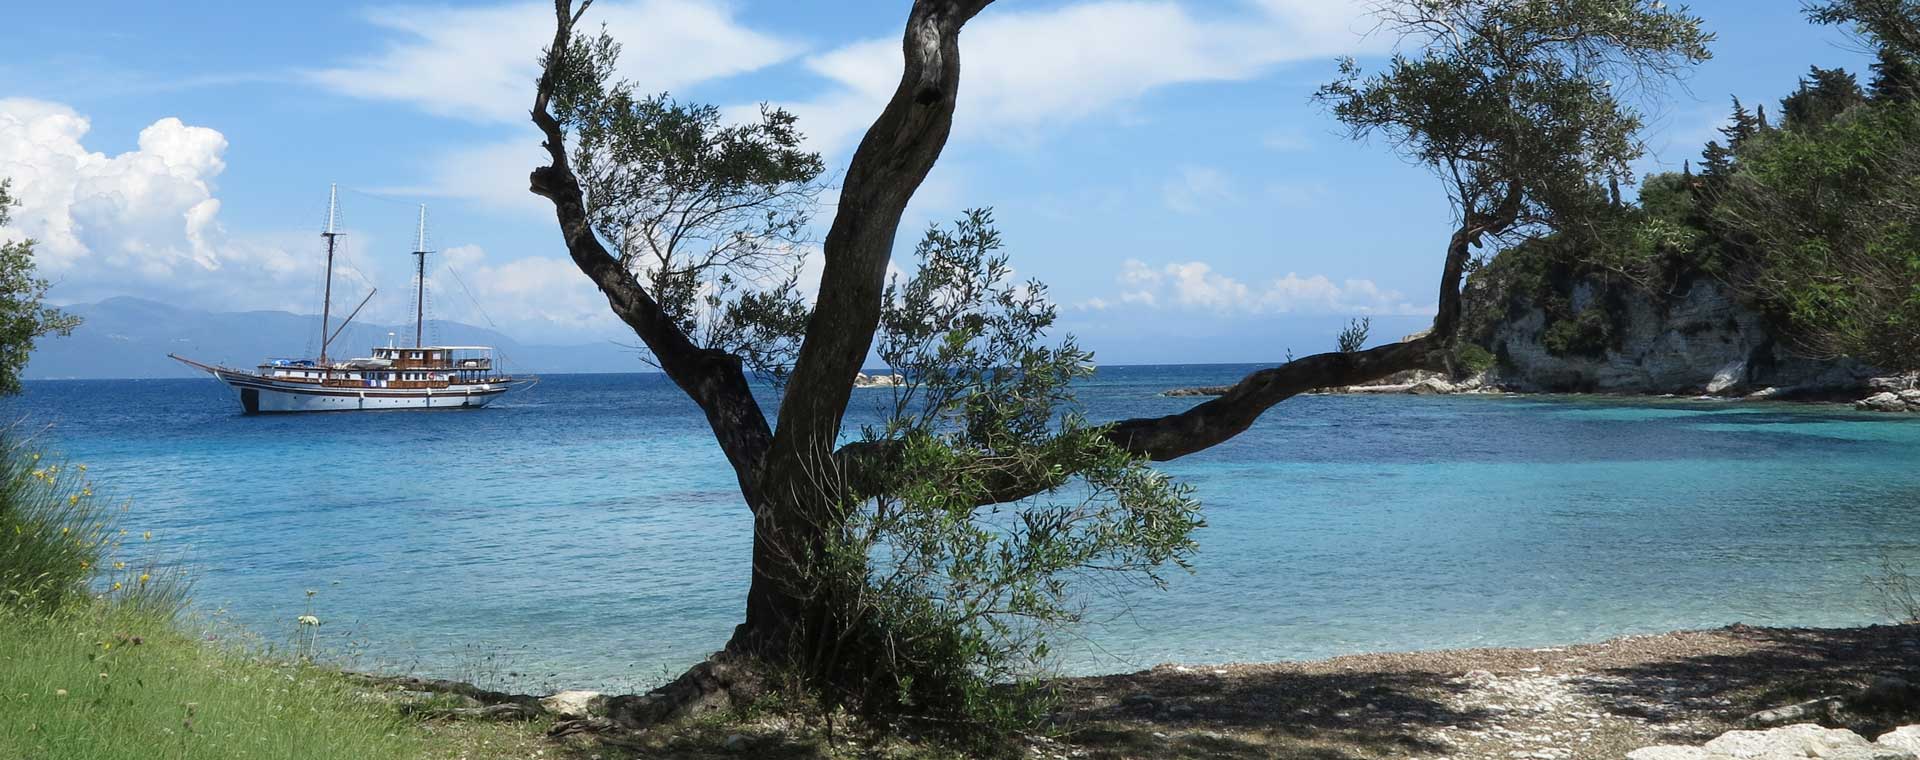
{"x":479,"y":63}
{"x":1196,"y":285}
{"x":148,"y":215}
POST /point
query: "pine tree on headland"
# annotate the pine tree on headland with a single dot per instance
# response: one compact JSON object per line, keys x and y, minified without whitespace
{"x":1895,"y":78}
{"x":1822,"y":97}
{"x":1742,"y":126}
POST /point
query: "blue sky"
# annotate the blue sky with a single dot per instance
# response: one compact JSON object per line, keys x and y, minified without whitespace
{"x":1156,"y":162}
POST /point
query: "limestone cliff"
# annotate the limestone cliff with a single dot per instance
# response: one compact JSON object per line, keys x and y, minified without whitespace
{"x":1589,"y":336}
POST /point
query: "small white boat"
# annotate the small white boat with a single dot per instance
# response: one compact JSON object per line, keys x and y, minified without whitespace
{"x":394,"y":377}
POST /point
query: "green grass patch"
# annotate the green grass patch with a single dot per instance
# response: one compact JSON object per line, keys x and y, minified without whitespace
{"x":107,"y":681}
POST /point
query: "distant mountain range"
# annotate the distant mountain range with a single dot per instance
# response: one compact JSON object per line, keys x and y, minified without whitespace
{"x":131,"y":337}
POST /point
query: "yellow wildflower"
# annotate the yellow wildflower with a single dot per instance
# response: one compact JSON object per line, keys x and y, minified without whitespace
{"x":143,"y":577}
{"x":116,"y":585}
{"x":119,"y":565}
{"x":146,"y":535}
{"x":73,"y":499}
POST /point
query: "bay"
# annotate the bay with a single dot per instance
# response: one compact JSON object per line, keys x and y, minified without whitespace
{"x":588,"y":533}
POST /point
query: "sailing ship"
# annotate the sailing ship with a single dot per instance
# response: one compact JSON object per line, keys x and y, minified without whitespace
{"x":394,"y":377}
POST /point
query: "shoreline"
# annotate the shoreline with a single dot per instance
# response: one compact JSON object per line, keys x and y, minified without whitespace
{"x":1573,"y":702}
{"x":1867,"y":400}
{"x":1570,"y":702}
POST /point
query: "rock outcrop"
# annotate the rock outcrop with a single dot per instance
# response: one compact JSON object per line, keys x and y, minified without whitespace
{"x":1701,"y":340}
{"x":864,"y":380}
{"x":1907,"y":400}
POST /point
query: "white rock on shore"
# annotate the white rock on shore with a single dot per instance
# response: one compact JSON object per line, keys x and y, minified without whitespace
{"x":575,"y":703}
{"x":1804,"y":740}
{"x":864,"y":380}
{"x":1889,"y":401}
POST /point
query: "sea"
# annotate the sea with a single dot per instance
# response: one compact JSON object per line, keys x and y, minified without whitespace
{"x":587,"y":532}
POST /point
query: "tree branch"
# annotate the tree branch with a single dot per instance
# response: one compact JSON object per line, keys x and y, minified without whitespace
{"x":869,"y":465}
{"x":889,"y":165}
{"x":713,"y":379}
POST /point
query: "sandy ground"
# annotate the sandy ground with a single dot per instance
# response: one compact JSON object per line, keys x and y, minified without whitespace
{"x":1561,"y":703}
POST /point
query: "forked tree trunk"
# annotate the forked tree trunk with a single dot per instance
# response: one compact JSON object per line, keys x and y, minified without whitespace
{"x":791,"y":475}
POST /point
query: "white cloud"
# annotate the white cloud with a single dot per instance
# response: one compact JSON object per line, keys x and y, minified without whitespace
{"x":493,"y":175}
{"x":1197,"y":189}
{"x":479,"y":64}
{"x":1027,"y":71}
{"x":1196,"y":285}
{"x":107,"y":224}
{"x":535,"y":298}
{"x":1285,"y":142}
{"x":1033,"y":69}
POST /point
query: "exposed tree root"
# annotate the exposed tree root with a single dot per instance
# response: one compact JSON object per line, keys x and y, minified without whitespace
{"x":442,"y":686}
{"x":724,"y":681}
{"x":503,"y":712}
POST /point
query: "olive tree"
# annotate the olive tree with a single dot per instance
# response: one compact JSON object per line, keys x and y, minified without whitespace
{"x":931,"y":544}
{"x":23,"y":316}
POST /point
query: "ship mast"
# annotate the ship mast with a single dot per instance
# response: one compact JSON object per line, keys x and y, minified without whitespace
{"x":420,"y":278}
{"x":326,"y":298}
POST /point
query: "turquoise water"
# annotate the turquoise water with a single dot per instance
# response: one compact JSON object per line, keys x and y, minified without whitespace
{"x":587,"y":532}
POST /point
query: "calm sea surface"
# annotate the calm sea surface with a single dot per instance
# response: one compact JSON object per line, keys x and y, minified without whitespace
{"x":588,"y":533}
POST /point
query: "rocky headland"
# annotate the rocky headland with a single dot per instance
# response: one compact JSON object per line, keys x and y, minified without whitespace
{"x":1589,"y":336}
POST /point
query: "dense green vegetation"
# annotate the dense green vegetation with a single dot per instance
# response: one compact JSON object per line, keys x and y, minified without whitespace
{"x":1815,"y":221}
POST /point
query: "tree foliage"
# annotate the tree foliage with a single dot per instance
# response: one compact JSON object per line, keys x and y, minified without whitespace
{"x":1519,"y":106}
{"x":962,"y":596}
{"x":1815,"y":222}
{"x":1889,"y":24}
{"x":1823,"y":95}
{"x":1831,"y":224}
{"x":24,"y":318}
{"x":712,"y":217}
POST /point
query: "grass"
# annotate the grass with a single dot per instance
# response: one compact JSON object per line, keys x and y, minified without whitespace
{"x":106,"y":681}
{"x":96,"y":663}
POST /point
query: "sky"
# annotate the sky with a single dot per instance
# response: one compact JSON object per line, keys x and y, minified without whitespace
{"x":1158,"y":163}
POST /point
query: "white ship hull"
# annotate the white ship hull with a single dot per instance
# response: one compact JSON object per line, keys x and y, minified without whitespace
{"x":263,"y":394}
{"x":263,"y":397}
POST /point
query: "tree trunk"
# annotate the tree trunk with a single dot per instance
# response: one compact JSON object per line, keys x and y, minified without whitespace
{"x":791,"y":475}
